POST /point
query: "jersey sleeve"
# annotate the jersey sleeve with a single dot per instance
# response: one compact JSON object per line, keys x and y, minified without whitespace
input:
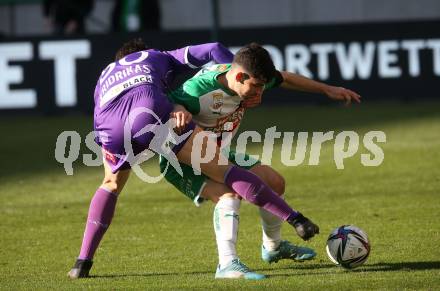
{"x":189,"y":101}
{"x":275,"y":82}
{"x":190,"y":92}
{"x":195,"y":56}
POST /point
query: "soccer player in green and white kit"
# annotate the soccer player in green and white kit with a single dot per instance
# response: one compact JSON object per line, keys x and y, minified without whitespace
{"x":217,"y":98}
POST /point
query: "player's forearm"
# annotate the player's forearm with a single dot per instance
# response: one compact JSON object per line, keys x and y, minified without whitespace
{"x":297,"y":82}
{"x":204,"y":53}
{"x":300,"y":83}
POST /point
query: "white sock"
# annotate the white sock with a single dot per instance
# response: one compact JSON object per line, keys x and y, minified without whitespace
{"x":271,"y":225}
{"x":226,"y":219}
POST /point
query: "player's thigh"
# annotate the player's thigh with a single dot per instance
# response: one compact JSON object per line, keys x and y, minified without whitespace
{"x":212,"y":169}
{"x":196,"y":187}
{"x":189,"y":184}
{"x":114,"y":182}
{"x":271,"y":177}
{"x":242,"y":160}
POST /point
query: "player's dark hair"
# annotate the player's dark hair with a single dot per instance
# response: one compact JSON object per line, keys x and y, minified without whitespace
{"x":132,"y":46}
{"x":256,"y":60}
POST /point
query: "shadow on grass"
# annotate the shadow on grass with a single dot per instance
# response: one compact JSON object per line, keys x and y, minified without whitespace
{"x":403,"y":266}
{"x":325,"y":269}
{"x":302,"y":270}
{"x":151,"y":274}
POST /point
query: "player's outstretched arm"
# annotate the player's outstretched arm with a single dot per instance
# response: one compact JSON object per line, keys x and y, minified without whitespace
{"x":300,"y":83}
{"x":196,"y":56}
{"x":209,"y":52}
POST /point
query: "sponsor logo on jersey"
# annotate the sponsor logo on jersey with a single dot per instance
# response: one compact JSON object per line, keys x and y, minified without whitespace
{"x":217,"y":102}
{"x":222,"y":68}
{"x":119,"y":88}
{"x":229,"y":122}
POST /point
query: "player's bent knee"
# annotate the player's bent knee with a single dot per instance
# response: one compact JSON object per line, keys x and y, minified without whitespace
{"x":115,"y":182}
{"x":271,"y":177}
{"x":275,"y":181}
{"x":279,"y":184}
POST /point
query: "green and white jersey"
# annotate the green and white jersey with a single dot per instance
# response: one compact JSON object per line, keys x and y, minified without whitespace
{"x":214,"y":107}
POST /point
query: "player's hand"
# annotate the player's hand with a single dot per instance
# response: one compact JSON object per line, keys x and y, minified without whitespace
{"x":182,"y":118}
{"x":342,"y":94}
{"x":252,"y":101}
{"x":304,"y":227}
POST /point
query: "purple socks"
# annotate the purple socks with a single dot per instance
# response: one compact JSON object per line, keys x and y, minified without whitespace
{"x":246,"y":184}
{"x":250,"y":187}
{"x":102,"y":208}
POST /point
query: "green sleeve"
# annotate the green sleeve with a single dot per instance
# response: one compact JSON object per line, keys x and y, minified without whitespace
{"x":190,"y":92}
{"x":180,"y":96}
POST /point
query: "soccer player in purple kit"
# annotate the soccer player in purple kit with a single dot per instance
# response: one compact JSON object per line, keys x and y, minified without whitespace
{"x":137,"y":82}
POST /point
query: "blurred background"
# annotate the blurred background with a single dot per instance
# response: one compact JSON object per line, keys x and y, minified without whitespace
{"x":385,"y":50}
{"x":26,"y":17}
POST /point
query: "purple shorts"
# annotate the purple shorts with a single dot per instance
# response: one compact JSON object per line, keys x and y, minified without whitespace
{"x":145,"y":105}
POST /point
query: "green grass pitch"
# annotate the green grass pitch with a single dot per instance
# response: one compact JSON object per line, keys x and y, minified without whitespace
{"x":159,"y":240}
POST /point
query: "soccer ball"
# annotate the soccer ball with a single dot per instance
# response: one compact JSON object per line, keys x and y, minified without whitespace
{"x":348,"y":246}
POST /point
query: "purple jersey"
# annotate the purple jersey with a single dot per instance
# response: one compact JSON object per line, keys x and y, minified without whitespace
{"x":153,"y":68}
{"x":140,"y":80}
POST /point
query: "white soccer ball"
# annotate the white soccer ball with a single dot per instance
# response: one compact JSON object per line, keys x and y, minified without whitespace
{"x":348,"y":246}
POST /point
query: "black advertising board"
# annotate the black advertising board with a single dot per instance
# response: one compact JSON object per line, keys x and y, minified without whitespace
{"x":381,"y":61}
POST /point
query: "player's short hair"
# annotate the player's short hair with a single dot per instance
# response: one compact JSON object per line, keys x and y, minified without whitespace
{"x":132,"y":46}
{"x":256,"y":60}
